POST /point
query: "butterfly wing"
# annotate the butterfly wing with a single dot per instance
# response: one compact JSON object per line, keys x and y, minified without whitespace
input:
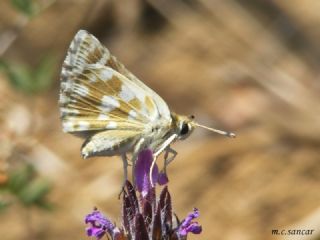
{"x":162,"y":107}
{"x":109,"y":142}
{"x":86,"y":50}
{"x":101,"y":98}
{"x":103,"y":102}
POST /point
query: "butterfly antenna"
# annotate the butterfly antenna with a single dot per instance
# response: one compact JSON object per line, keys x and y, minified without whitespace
{"x":228,"y":134}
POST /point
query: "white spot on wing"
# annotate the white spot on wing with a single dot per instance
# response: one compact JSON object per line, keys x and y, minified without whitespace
{"x":106,"y":74}
{"x":144,"y":111}
{"x":126,"y":94}
{"x":132,"y":114}
{"x":83,"y":125}
{"x":102,"y":117}
{"x":109,"y":103}
{"x":112,"y":125}
{"x":64,"y":72}
{"x":66,"y":86}
{"x":140,"y":95}
{"x":71,"y":111}
{"x":63,"y":98}
{"x":81,"y":34}
{"x":82,"y":90}
{"x":105,"y":57}
{"x":67,"y":60}
{"x":68,"y":126}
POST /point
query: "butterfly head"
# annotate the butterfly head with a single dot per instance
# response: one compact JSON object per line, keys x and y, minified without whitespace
{"x":184,"y":126}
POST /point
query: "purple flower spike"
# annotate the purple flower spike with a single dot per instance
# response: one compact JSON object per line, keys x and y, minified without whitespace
{"x":100,"y":225}
{"x":188,"y":225}
{"x":142,"y":170}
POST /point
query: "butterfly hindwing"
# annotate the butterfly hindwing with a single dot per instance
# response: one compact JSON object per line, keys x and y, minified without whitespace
{"x":108,"y":143}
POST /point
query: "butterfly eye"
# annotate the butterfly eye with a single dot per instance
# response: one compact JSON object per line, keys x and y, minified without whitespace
{"x":184,"y":129}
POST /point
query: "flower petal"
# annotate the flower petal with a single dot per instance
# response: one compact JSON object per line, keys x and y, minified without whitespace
{"x":163,"y":178}
{"x":95,"y":232}
{"x":99,"y":224}
{"x":194,"y":228}
{"x":187,"y":226}
{"x":142,"y":170}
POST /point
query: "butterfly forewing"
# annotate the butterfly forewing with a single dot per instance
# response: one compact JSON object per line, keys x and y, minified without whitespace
{"x":98,"y":93}
{"x":101,"y":96}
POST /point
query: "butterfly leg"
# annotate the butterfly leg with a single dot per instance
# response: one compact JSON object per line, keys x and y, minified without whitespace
{"x":168,"y":159}
{"x":161,"y":148}
{"x":165,"y":145}
{"x":125,"y":172}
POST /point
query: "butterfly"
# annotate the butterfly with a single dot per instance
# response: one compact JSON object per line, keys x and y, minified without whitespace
{"x":116,"y":113}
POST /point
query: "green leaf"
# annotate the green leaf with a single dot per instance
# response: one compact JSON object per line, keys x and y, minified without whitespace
{"x":27,"y":7}
{"x":3,"y":65}
{"x":45,"y":205}
{"x":27,"y":188}
{"x":20,"y":77}
{"x":30,"y":80}
{"x":4,"y":199}
{"x":4,"y":205}
{"x":43,"y":74}
{"x":20,"y":178}
{"x":35,"y":192}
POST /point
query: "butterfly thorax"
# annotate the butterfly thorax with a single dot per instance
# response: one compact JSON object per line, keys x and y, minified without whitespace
{"x":158,"y":134}
{"x":158,"y":131}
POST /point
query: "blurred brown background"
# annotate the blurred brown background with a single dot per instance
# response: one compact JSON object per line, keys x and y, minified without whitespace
{"x":247,"y":66}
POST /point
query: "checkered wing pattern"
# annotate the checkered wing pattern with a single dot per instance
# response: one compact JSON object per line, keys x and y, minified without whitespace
{"x":99,"y":93}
